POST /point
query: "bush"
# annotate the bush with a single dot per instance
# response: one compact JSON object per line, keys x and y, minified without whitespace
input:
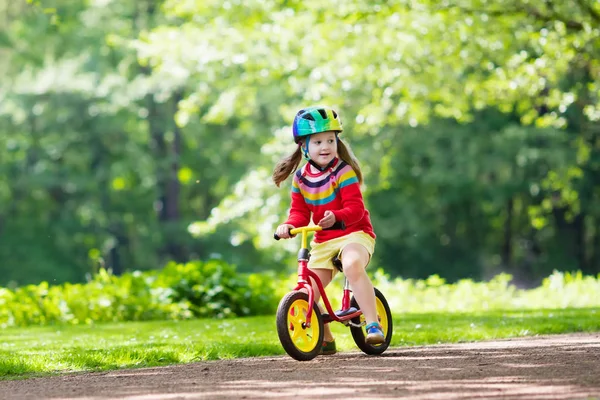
{"x":559,"y":290}
{"x":179,"y":291}
{"x":215,"y":289}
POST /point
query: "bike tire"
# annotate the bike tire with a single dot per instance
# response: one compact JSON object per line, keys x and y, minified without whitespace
{"x":300,"y":342}
{"x":385,"y":319}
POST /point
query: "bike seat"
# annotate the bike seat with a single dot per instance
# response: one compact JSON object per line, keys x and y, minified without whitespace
{"x":337,"y":263}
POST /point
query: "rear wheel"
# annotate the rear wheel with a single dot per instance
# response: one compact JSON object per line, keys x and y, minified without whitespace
{"x":301,"y":342}
{"x":385,"y":320}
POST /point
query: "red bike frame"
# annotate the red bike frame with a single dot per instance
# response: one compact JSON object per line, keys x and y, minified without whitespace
{"x":304,"y":275}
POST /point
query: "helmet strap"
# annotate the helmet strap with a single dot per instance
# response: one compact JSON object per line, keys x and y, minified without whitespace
{"x":305,"y":149}
{"x":325,"y":168}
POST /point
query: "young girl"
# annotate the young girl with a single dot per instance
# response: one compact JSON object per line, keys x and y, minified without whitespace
{"x":328,"y":187}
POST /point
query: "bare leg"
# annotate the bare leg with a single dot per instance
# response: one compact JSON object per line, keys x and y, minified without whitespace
{"x":354,"y":260}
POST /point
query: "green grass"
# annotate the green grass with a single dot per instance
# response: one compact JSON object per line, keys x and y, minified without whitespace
{"x":34,"y":351}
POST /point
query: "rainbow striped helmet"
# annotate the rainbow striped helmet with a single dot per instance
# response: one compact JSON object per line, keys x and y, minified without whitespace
{"x":314,"y":120}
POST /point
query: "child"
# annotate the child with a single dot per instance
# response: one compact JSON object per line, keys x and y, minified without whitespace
{"x":328,"y":187}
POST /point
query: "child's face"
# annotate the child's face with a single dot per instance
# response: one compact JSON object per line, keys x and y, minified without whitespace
{"x":322,"y":147}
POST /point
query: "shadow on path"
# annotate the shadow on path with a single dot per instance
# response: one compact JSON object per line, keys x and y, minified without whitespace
{"x":550,"y":367}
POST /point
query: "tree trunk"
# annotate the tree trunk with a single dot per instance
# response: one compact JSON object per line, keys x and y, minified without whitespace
{"x":572,"y":236}
{"x":173,"y":185}
{"x":506,"y":254}
{"x":173,"y":188}
{"x":167,"y":152}
{"x":595,"y":259}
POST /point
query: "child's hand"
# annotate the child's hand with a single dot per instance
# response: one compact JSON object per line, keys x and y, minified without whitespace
{"x":283,"y":231}
{"x":328,"y":220}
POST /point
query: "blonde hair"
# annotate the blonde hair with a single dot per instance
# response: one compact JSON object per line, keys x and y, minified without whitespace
{"x":288,"y":165}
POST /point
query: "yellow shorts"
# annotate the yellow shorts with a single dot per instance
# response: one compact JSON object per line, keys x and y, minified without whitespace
{"x":322,"y":253}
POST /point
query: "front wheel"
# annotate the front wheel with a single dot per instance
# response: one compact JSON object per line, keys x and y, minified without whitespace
{"x":385,"y":320}
{"x":299,"y":341}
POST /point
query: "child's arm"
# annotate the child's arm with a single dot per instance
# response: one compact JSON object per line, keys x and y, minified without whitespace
{"x":353,"y":205}
{"x":299,"y":211}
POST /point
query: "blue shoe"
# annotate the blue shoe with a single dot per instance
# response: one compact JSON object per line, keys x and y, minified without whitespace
{"x":374,"y":334}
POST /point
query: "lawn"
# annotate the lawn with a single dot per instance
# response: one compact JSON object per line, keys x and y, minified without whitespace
{"x":34,"y":351}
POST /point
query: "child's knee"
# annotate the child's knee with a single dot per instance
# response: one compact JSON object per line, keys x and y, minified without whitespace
{"x":353,"y":269}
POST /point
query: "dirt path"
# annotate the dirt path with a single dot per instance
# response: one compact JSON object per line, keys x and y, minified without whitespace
{"x":550,"y":367}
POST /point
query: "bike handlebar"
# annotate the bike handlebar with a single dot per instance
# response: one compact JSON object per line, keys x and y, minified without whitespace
{"x":339,"y":225}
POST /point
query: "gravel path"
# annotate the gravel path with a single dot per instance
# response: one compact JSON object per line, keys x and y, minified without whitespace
{"x":548,"y":367}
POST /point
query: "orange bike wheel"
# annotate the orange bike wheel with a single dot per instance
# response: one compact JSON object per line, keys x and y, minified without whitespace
{"x":301,"y":342}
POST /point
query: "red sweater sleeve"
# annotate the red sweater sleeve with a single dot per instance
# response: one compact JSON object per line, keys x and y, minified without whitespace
{"x":299,"y":211}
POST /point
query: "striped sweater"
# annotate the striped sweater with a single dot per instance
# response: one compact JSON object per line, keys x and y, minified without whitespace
{"x":336,"y":189}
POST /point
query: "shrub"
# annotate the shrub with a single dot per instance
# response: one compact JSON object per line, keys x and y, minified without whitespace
{"x":215,"y":289}
{"x":179,"y":291}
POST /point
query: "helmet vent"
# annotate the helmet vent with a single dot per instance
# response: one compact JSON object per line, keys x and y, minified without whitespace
{"x":334,"y":113}
{"x":300,"y":112}
{"x":323,"y":113}
{"x":309,"y":117}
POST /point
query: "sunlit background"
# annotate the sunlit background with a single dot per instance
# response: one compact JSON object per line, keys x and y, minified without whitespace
{"x":138,"y":132}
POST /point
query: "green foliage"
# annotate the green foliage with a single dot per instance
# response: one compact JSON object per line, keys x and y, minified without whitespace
{"x":216,"y":289}
{"x":444,"y":194}
{"x":179,"y":291}
{"x":559,"y":290}
{"x":126,"y":127}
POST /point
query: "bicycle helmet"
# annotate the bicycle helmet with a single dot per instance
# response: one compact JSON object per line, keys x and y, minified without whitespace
{"x":313,"y":120}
